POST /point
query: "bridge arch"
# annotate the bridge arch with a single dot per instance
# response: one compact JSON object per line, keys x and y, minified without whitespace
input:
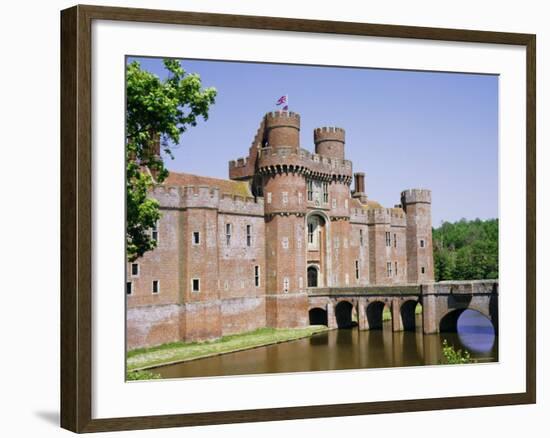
{"x":318,"y":316}
{"x":343,"y":311}
{"x":375,"y":314}
{"x":449,"y":321}
{"x":407,"y":312}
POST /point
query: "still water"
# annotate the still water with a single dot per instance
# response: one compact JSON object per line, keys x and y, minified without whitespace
{"x":349,"y":349}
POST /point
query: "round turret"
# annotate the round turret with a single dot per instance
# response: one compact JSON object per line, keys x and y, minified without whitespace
{"x":330,"y":142}
{"x":415,"y":196}
{"x":283,"y":129}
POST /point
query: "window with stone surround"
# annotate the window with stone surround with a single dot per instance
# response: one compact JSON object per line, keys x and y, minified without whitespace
{"x":333,"y":203}
{"x":227,"y":234}
{"x":286,"y":285}
{"x":422,"y":243}
{"x":156,"y":287}
{"x":357,"y":269}
{"x":285,"y":242}
{"x":285,"y":197}
{"x":257,"y":276}
{"x":248,"y":235}
{"x":422,"y":270}
{"x":269,"y":197}
{"x":388,"y":238}
{"x":129,"y":288}
{"x":309,"y":190}
{"x":395,"y":268}
{"x":361,"y":241}
{"x":195,"y":284}
{"x":394,"y":240}
{"x":300,"y":198}
{"x":325,"y":193}
{"x":388,"y":269}
{"x":135,"y":269}
{"x":196,"y":238}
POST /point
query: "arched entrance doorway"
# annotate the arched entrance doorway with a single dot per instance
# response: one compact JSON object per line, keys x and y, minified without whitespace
{"x":312,"y":276}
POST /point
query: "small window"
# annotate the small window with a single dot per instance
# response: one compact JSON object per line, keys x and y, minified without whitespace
{"x":286,"y":285}
{"x":310,"y":229}
{"x":156,"y":288}
{"x":325,"y":193}
{"x":257,"y":276}
{"x":388,"y":269}
{"x":285,"y":242}
{"x":309,"y":190}
{"x":333,"y":203}
{"x":300,"y":197}
{"x":195,"y":285}
{"x":135,"y":269}
{"x":394,"y":240}
{"x":301,"y":282}
{"x":422,"y":243}
{"x":196,"y":238}
{"x":422,"y":270}
{"x":227,"y":234}
{"x":269,"y":197}
{"x":155,"y":232}
{"x":248,"y":235}
{"x":361,"y":237}
{"x":285,"y":197}
{"x":357,"y":269}
{"x":345,"y":203}
{"x":129,"y":288}
{"x":347,"y":279}
{"x":395,"y":268}
{"x":388,"y":238}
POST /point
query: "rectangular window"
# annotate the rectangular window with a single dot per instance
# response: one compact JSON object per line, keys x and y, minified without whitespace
{"x":395,"y":268}
{"x":196,"y":238}
{"x":248,"y":235}
{"x":286,"y":285}
{"x":155,"y":232}
{"x":325,"y":193}
{"x":388,"y":238}
{"x":309,"y":190}
{"x":361,"y":237}
{"x":129,"y":288}
{"x":422,"y":270}
{"x":195,"y":285}
{"x":156,"y":288}
{"x":300,"y":197}
{"x":333,"y":203}
{"x":227,"y":234}
{"x":285,"y":242}
{"x":421,"y":243}
{"x":285,"y":197}
{"x":257,"y":276}
{"x":388,"y":269}
{"x":135,"y":269}
{"x":345,"y":203}
{"x":394,"y":240}
{"x":357,"y":269}
{"x":269,"y":197}
{"x":310,"y":230}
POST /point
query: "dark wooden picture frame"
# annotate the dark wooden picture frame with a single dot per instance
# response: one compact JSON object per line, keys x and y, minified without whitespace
{"x":76,"y":217}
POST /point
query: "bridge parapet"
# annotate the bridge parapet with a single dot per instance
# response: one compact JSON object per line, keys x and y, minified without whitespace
{"x":406,"y":289}
{"x":461,"y":287}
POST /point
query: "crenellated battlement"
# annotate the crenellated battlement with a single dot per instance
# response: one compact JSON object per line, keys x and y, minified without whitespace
{"x":239,"y":162}
{"x":413,"y":196}
{"x":275,"y":117}
{"x":326,"y":133}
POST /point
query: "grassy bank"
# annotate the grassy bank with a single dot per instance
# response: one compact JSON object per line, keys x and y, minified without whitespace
{"x":386,"y":316}
{"x":143,"y":358}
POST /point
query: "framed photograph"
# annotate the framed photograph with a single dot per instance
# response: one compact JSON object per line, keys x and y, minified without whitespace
{"x":269,"y":218}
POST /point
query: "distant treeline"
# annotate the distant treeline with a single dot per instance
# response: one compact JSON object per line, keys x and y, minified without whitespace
{"x":466,"y":250}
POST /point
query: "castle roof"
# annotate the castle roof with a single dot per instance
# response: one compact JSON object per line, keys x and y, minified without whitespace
{"x":238,"y":188}
{"x":355,"y":203}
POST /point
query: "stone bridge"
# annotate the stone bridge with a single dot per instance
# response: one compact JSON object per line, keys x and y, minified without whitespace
{"x":442,"y":304}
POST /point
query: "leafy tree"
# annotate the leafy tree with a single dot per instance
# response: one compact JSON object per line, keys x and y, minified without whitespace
{"x":157,"y":113}
{"x":466,"y":250}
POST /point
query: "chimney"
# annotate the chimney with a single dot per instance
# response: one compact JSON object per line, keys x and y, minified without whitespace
{"x":359,"y":182}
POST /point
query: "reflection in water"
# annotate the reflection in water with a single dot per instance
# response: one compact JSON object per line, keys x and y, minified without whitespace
{"x":348,"y":349}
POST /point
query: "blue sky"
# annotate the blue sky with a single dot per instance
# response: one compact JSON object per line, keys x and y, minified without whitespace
{"x":404,"y":129}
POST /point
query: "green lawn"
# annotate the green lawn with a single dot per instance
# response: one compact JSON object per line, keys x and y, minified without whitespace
{"x":143,"y":358}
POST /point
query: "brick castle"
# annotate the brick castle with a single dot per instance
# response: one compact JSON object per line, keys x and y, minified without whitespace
{"x":239,"y":254}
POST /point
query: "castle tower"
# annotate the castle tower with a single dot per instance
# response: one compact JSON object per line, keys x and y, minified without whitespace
{"x":283,"y":129}
{"x":417,"y":206}
{"x":284,"y":190}
{"x":330,"y":142}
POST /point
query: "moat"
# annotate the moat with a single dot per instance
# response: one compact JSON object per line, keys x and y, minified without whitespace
{"x":349,"y":349}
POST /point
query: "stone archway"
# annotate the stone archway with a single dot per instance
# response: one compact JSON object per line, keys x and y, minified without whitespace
{"x":449,"y":321}
{"x":318,"y":316}
{"x":343,"y":312}
{"x":375,"y":314}
{"x":408,"y":315}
